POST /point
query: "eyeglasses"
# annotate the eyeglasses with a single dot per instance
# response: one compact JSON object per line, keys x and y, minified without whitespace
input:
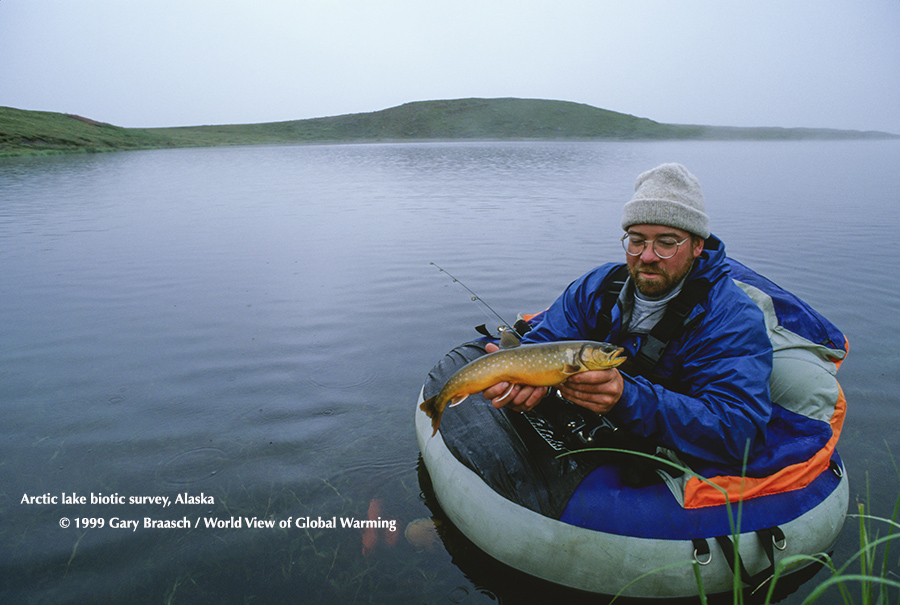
{"x":663,"y":247}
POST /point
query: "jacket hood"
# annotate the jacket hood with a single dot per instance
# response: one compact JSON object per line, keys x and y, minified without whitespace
{"x":712,"y":263}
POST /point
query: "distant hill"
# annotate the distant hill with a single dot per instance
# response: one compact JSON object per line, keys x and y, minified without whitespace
{"x":23,"y":131}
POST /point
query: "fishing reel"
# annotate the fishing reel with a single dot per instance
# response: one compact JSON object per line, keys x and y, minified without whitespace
{"x":588,"y":429}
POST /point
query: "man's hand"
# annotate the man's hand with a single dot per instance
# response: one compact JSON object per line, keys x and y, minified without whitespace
{"x":596,"y":390}
{"x":520,"y":397}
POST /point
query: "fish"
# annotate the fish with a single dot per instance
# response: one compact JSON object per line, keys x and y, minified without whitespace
{"x":540,"y":365}
{"x":373,"y":536}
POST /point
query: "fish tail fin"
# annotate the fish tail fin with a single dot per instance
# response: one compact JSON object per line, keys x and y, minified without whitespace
{"x":428,"y":406}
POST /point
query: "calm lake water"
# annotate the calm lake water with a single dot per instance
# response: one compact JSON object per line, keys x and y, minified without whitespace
{"x":254,"y":324}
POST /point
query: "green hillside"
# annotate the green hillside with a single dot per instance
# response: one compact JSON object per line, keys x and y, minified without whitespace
{"x":24,"y":131}
{"x":468,"y":119}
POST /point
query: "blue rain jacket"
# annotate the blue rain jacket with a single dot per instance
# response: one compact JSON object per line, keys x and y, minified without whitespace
{"x":716,"y":372}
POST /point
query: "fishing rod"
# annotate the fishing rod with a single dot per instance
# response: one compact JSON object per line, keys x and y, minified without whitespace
{"x":477,"y":299}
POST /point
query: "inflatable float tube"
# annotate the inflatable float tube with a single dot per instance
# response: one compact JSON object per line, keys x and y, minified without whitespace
{"x":604,"y":536}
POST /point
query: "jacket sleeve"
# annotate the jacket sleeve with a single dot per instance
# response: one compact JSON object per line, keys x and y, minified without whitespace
{"x":720,"y":411}
{"x":574,"y":313}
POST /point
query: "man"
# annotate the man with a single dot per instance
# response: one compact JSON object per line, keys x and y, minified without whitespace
{"x":705,"y":394}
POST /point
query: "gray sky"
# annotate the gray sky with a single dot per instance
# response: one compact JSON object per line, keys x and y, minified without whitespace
{"x":815,"y":63}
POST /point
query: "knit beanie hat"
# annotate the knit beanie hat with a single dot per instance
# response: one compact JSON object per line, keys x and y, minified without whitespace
{"x":668,"y":195}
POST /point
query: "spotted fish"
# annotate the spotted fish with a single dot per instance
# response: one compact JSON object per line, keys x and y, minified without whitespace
{"x":541,"y":365}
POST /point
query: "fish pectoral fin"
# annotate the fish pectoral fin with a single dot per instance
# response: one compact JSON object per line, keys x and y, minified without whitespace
{"x":570,"y":369}
{"x":457,"y":400}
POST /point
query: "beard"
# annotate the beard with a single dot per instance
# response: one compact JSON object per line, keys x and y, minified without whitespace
{"x":664,"y":282}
